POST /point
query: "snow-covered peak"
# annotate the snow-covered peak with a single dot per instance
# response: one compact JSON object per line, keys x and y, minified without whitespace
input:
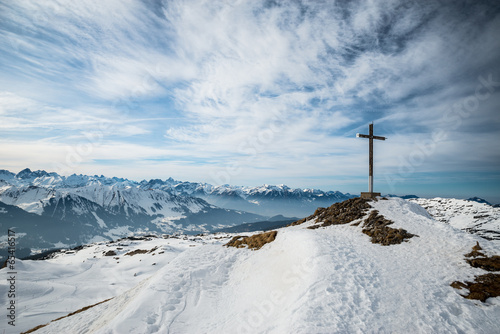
{"x":80,"y":180}
{"x":28,"y":174}
{"x":157,"y":183}
{"x":44,"y":179}
{"x":267,"y":189}
{"x":6,"y":175}
{"x":267,"y":200}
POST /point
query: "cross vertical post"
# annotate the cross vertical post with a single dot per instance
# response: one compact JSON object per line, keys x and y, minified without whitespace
{"x":370,"y":172}
{"x":371,"y":137}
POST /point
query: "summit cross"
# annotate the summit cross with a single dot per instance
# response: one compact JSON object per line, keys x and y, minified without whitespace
{"x":371,"y":137}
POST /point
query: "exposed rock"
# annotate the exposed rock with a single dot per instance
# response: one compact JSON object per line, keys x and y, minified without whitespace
{"x":153,"y":249}
{"x":482,"y":261}
{"x":338,"y":213}
{"x":253,"y":242}
{"x":137,"y":251}
{"x":486,"y":263}
{"x":377,"y":227}
{"x":484,"y":286}
{"x":475,"y":251}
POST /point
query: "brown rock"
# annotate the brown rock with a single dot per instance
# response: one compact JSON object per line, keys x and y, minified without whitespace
{"x":253,"y":242}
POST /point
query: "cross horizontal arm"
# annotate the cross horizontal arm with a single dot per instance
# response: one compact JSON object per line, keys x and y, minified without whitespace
{"x":370,"y":137}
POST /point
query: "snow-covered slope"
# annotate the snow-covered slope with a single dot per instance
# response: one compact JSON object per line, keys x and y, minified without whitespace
{"x":324,"y":280}
{"x":27,"y":197}
{"x":468,"y":215}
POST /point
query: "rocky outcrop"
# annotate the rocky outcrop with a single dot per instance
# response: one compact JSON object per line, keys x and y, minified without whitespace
{"x":377,"y":227}
{"x":253,"y":242}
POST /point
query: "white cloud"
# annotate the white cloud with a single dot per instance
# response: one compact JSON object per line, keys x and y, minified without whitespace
{"x":283,"y":84}
{"x":23,"y":115}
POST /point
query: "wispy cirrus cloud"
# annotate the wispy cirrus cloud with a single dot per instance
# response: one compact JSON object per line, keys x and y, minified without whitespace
{"x":19,"y":115}
{"x":274,"y":86}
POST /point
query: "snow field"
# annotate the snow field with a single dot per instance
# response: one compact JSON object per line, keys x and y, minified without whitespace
{"x":327,"y":280}
{"x":53,"y":288}
{"x":481,"y":218}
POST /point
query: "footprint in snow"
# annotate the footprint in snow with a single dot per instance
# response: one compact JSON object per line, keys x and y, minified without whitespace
{"x":173,"y":301}
{"x":151,"y":319}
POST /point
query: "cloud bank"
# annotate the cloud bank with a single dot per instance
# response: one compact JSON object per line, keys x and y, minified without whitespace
{"x":249,"y":92}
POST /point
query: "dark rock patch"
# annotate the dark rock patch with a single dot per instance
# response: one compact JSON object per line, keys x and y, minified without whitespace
{"x":377,"y":227}
{"x":253,"y":242}
{"x":137,"y":251}
{"x":338,"y":213}
{"x":475,"y":251}
{"x":484,"y":286}
{"x":487,"y":263}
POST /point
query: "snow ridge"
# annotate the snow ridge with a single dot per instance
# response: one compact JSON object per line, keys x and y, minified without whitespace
{"x":330,"y":279}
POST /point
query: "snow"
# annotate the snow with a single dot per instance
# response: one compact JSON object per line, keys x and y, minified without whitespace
{"x":98,"y":238}
{"x":155,"y":197}
{"x":118,"y":232}
{"x":101,"y":222}
{"x":86,"y":186}
{"x":31,"y":199}
{"x":58,"y":245}
{"x":326,"y":280}
{"x":470,"y":216}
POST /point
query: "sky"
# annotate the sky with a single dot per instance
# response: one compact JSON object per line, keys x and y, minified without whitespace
{"x":251,"y":92}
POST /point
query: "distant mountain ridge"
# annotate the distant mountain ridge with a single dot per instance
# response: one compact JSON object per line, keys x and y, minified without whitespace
{"x":479,"y":200}
{"x":83,"y":208}
{"x":471,"y":199}
{"x":267,"y":200}
{"x":53,"y":211}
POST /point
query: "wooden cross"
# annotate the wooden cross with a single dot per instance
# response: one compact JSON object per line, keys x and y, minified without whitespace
{"x":370,"y":177}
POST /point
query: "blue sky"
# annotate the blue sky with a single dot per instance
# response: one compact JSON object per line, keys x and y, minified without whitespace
{"x":251,"y":92}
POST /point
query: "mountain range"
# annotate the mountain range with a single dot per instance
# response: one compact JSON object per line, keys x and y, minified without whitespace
{"x":54,"y":211}
{"x":50,"y":210}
